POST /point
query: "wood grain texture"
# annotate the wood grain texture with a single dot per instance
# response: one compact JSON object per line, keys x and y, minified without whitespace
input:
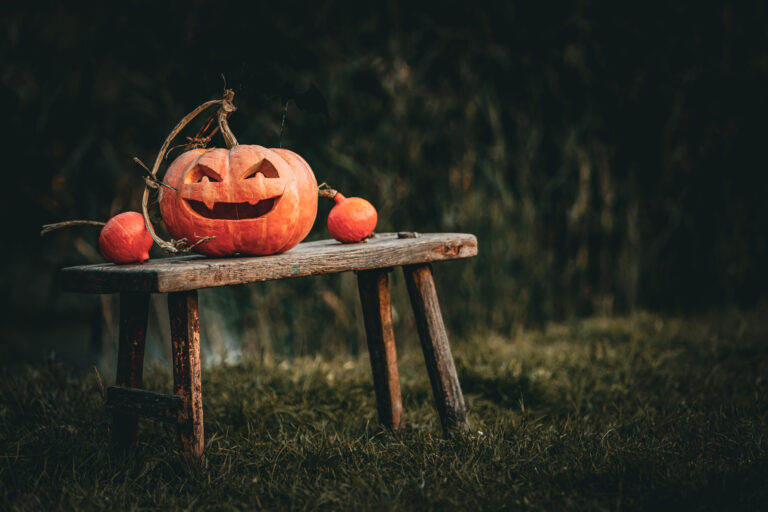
{"x":434,"y":343}
{"x":309,"y":258}
{"x":130,"y":361}
{"x":158,"y":406}
{"x":377,"y":314}
{"x":187,"y":372}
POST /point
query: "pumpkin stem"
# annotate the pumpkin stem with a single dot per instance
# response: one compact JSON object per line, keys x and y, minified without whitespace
{"x":225,"y":111}
{"x":226,"y":107}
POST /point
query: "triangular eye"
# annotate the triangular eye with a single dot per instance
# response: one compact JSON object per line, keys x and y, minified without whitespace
{"x":201,"y":174}
{"x":264,"y":167}
{"x":208,"y":174}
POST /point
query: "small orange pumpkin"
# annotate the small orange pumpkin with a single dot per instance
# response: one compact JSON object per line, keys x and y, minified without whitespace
{"x":252,"y":199}
{"x":352,"y":219}
{"x":125,"y":239}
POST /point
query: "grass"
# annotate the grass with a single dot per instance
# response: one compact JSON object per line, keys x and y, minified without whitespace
{"x":639,"y":412}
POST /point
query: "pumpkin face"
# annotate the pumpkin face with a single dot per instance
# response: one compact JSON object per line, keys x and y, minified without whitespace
{"x":254,"y":200}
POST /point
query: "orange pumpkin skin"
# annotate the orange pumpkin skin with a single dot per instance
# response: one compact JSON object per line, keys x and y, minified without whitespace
{"x":253,"y":200}
{"x":352,"y":219}
{"x":125,"y":239}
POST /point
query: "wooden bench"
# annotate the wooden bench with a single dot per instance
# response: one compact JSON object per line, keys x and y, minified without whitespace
{"x":181,"y":277}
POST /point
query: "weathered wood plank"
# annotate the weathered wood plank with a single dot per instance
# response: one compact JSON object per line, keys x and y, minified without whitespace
{"x":377,"y":314}
{"x":158,"y":406}
{"x":130,"y":361}
{"x":434,"y":343}
{"x":309,"y":258}
{"x":187,"y":372}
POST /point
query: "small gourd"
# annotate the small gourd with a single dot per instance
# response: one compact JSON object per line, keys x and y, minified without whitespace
{"x":125,"y":239}
{"x":352,"y":219}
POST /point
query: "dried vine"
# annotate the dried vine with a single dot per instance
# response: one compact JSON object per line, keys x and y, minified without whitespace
{"x":47,"y":228}
{"x":200,"y":140}
{"x":225,"y":109}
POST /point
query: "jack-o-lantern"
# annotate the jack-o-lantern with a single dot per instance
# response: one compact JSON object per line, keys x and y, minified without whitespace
{"x":251,"y":199}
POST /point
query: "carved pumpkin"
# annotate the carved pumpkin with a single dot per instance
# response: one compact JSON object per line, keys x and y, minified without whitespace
{"x":253,"y":200}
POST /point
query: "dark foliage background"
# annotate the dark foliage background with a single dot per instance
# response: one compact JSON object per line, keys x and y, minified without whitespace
{"x":608,"y":158}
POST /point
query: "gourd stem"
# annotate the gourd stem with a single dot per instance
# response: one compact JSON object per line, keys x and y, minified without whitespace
{"x":324,"y":190}
{"x":226,"y":107}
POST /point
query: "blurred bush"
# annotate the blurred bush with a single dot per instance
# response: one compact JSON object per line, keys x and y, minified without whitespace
{"x":607,"y":158}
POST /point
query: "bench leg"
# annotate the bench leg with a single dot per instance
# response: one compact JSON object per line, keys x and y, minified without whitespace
{"x":187,"y":373}
{"x":434,"y":343}
{"x":130,"y":361}
{"x":374,"y":297}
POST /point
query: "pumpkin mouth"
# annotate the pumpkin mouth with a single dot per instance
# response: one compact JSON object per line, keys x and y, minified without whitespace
{"x":233,"y":211}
